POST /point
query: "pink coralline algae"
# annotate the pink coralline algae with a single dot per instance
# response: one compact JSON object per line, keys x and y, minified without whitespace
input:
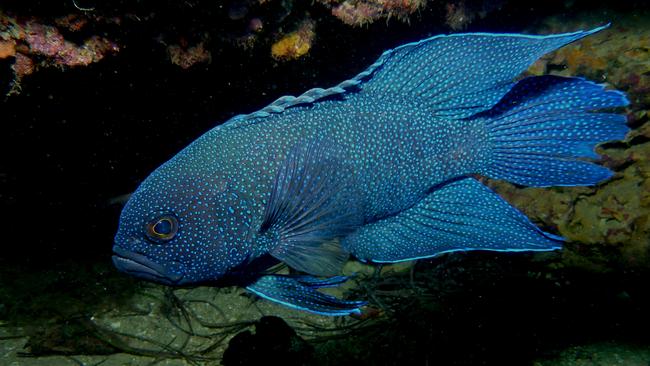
{"x":23,"y":65}
{"x":361,"y":12}
{"x":34,"y":45}
{"x":47,"y":41}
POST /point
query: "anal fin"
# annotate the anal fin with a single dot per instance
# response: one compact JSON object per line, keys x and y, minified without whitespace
{"x":301,"y":292}
{"x":459,"y":216}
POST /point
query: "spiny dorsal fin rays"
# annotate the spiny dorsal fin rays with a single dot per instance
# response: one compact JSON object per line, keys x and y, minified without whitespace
{"x":288,"y":101}
{"x":429,"y":69}
{"x":542,"y":130}
{"x":313,"y":202}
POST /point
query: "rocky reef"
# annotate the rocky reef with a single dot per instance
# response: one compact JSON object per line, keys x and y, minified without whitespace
{"x":283,"y":28}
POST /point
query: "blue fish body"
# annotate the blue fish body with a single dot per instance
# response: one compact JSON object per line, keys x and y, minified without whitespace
{"x":379,"y":166}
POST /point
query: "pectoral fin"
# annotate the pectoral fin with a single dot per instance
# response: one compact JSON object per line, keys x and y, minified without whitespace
{"x":312,"y":203}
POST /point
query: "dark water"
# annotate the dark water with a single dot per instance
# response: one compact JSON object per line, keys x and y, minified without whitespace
{"x":76,"y":138}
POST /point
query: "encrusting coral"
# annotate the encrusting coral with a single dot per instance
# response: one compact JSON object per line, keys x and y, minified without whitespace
{"x":295,"y":44}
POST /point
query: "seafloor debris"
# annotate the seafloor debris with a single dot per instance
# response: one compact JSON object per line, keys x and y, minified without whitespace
{"x":295,"y":44}
{"x":34,"y":44}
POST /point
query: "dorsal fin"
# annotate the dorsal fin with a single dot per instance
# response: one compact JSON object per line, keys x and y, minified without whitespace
{"x":288,"y":101}
{"x":461,"y":74}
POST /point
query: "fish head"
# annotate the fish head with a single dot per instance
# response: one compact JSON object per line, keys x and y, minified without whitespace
{"x":180,"y":229}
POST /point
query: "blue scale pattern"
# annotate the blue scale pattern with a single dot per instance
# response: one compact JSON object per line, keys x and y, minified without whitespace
{"x":379,"y":162}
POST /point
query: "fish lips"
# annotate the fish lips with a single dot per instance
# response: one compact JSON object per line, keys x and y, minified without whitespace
{"x":139,"y":265}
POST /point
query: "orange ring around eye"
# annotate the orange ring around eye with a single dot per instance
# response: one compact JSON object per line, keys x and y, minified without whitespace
{"x":157,"y":235}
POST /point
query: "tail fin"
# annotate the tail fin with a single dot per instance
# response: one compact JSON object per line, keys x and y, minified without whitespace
{"x":544,"y":126}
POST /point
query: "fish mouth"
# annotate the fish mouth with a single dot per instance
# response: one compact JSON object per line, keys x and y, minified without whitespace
{"x":139,"y":265}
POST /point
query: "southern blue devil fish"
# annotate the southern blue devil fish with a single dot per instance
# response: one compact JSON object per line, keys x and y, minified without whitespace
{"x":379,"y":167}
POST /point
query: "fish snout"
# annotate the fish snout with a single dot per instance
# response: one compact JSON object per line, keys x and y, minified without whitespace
{"x":139,"y":265}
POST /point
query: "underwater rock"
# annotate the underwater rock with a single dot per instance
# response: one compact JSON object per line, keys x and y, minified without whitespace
{"x":273,"y":340}
{"x":22,"y":66}
{"x":7,"y":48}
{"x":619,"y":57}
{"x":72,"y":337}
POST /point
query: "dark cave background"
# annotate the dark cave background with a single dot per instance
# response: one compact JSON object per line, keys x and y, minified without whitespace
{"x":74,"y":140}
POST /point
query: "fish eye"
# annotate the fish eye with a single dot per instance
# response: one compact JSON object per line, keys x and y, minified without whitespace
{"x":163,"y":228}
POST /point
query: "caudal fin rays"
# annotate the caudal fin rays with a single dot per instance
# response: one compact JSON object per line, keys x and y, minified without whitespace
{"x":542,"y":131}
